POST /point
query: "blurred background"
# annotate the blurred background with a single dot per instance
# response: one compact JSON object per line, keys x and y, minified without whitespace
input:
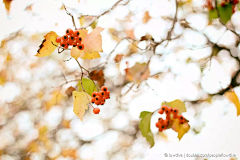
{"x":36,"y":108}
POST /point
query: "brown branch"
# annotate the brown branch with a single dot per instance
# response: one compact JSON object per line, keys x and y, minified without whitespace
{"x":71,"y":16}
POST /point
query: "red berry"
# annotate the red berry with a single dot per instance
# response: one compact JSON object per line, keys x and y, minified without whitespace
{"x":101,"y":93}
{"x":97,"y":102}
{"x":180,"y":117}
{"x":97,"y":98}
{"x":160,"y":120}
{"x":107,"y":95}
{"x":79,"y":39}
{"x":70,"y":42}
{"x":94,"y":94}
{"x":69,"y":31}
{"x":63,"y":43}
{"x":93,"y":100}
{"x":160,"y":111}
{"x":160,"y":129}
{"x":66,"y":46}
{"x":96,"y":110}
{"x":164,"y":108}
{"x":168,"y":116}
{"x":74,"y":43}
{"x":104,"y":88}
{"x":76,"y":33}
{"x":65,"y":38}
{"x":175,"y":111}
{"x":71,"y":37}
{"x":157,"y":124}
{"x":166,"y":122}
{"x":58,"y":39}
{"x":80,"y":47}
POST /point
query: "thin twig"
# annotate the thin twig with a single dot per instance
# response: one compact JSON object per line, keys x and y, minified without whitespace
{"x":71,"y":16}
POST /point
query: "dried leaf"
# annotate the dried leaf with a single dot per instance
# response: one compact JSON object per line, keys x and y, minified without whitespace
{"x":231,"y":95}
{"x":48,"y":45}
{"x":92,"y":45}
{"x":138,"y":72}
{"x":114,"y":34}
{"x":56,"y":98}
{"x":69,"y":153}
{"x":69,"y":91}
{"x":146,"y":17}
{"x":80,"y":101}
{"x":133,"y":48}
{"x":118,"y":58}
{"x":98,"y":75}
{"x":146,"y":37}
{"x":130,"y":34}
{"x":7,"y":4}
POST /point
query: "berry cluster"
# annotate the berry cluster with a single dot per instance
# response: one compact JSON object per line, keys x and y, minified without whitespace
{"x":225,"y":2}
{"x":72,"y":38}
{"x":163,"y":124}
{"x":99,"y":98}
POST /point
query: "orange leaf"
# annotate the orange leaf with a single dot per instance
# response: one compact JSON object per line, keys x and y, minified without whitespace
{"x":146,"y":17}
{"x":92,"y":45}
{"x":7,"y":4}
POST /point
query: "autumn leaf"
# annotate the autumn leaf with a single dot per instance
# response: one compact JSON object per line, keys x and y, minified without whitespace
{"x":118,"y":58}
{"x":177,"y":104}
{"x":133,"y":48}
{"x":231,"y":95}
{"x":98,"y":75}
{"x":144,"y":127}
{"x":182,"y":2}
{"x":180,"y":128}
{"x":80,"y":101}
{"x":88,"y":85}
{"x":174,"y":124}
{"x":56,"y":98}
{"x":48,"y":45}
{"x":138,"y":72}
{"x":92,"y":45}
{"x":69,"y":153}
{"x":130,"y":34}
{"x":146,"y":17}
{"x":7,"y":4}
{"x":69,"y":91}
{"x":114,"y":34}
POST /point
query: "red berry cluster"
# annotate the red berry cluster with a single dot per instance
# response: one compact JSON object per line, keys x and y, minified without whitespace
{"x":72,"y":38}
{"x":163,"y":124}
{"x":99,"y":98}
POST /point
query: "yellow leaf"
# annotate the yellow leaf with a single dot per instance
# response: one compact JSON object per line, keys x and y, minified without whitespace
{"x":177,"y":104}
{"x":180,"y":128}
{"x":114,"y":34}
{"x":182,"y":2}
{"x":231,"y":95}
{"x":92,"y":45}
{"x":146,"y":17}
{"x":80,"y":101}
{"x":47,"y":47}
{"x":138,"y":72}
{"x":56,"y":97}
